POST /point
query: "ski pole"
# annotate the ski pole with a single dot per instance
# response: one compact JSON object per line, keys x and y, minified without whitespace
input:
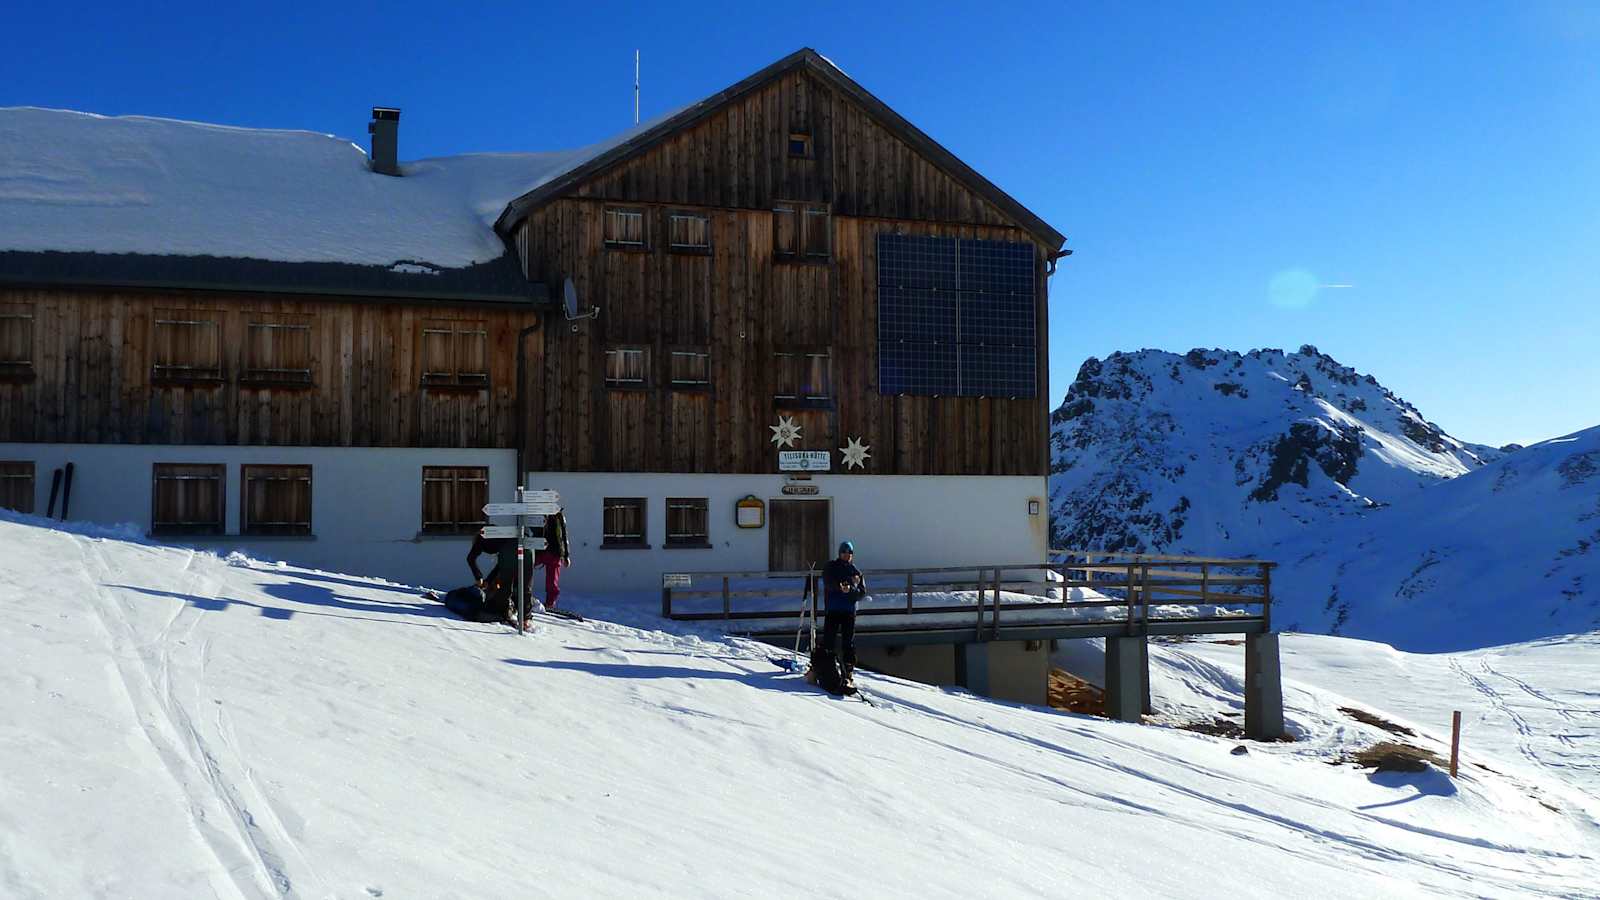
{"x":805,"y":594}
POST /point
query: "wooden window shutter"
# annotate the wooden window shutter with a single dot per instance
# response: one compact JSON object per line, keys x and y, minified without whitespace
{"x":686,"y":522}
{"x":690,"y":369}
{"x":628,"y":367}
{"x":818,"y":232}
{"x":688,"y":231}
{"x":785,"y":230}
{"x":624,"y":522}
{"x":187,"y":345}
{"x":455,"y":354}
{"x":187,"y":498}
{"x":276,"y":500}
{"x":277,"y":349}
{"x":453,"y":499}
{"x":624,"y":227}
{"x":16,"y":486}
{"x":16,"y":340}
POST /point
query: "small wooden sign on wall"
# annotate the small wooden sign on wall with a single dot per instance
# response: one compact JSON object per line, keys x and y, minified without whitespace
{"x":750,"y":512}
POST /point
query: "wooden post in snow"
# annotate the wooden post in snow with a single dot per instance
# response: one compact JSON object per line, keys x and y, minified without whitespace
{"x":1455,"y":741}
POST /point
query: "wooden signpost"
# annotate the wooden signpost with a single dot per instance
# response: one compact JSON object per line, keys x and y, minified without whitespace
{"x":528,"y":505}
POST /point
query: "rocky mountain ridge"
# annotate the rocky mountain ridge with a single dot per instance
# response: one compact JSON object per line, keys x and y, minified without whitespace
{"x":1215,"y":451}
{"x":1384,"y":525}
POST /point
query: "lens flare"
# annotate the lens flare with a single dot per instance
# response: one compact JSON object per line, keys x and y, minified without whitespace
{"x":1292,"y":289}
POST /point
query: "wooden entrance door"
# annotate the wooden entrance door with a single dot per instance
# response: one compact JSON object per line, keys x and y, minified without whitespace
{"x":797,"y":535}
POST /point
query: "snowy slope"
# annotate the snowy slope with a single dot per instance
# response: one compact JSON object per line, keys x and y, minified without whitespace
{"x":1508,"y":553}
{"x":177,"y":725}
{"x":1222,"y":453}
{"x":72,"y":181}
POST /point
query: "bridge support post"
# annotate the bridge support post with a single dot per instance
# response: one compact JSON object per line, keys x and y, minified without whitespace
{"x":1263,"y":688}
{"x":1126,"y":677}
{"x":972,"y":667}
{"x":1144,"y":675}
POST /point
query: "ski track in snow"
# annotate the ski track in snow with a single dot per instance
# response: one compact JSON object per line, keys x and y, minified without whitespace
{"x":146,"y":673}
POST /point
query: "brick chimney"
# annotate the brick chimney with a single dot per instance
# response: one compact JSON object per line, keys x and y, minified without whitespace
{"x":385,"y":131}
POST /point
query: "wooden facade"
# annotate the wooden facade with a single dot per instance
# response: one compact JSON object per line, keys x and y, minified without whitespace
{"x":194,"y":368}
{"x":733,"y":261}
{"x":750,"y":308}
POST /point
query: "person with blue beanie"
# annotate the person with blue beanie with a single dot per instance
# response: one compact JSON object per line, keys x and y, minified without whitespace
{"x":844,"y":589}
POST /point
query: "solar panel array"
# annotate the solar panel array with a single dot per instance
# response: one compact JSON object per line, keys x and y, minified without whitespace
{"x":955,"y":317}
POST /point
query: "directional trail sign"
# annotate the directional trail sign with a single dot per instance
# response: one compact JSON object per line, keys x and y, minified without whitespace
{"x":510,"y":531}
{"x":525,"y":508}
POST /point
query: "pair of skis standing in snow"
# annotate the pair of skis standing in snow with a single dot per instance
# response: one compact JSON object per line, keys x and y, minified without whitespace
{"x":843,"y":587}
{"x":491,"y":597}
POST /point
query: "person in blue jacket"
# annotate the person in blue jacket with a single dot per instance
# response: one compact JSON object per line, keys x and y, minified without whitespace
{"x":843,"y":588}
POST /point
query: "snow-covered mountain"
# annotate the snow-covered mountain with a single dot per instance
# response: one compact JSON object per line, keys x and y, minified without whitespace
{"x":1226,"y":453}
{"x":1385,"y":527}
{"x":1510,"y":552}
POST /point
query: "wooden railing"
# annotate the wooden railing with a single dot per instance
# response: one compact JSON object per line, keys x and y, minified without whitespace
{"x":1132,"y":582}
{"x":1144,"y":580}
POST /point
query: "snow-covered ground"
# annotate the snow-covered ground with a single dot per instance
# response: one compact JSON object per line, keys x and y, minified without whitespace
{"x":173,"y":724}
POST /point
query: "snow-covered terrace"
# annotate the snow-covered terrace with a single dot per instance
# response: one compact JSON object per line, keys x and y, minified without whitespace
{"x":1096,"y":596}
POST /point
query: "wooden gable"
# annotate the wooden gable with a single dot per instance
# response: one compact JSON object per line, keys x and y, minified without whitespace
{"x":799,"y":130}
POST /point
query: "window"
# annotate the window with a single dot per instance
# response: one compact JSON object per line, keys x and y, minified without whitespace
{"x":455,"y":354}
{"x":627,"y":367}
{"x":16,"y":486}
{"x":187,"y":499}
{"x":187,"y":346}
{"x":686,"y":522}
{"x":276,"y":500}
{"x":277,"y":349}
{"x":689,"y":232}
{"x":625,"y":228}
{"x":818,"y":232}
{"x":691,"y":369}
{"x":801,"y":231}
{"x":803,"y":375}
{"x":800,"y":144}
{"x":785,"y":230}
{"x":624,"y":522}
{"x":16,"y":341}
{"x":453,"y":499}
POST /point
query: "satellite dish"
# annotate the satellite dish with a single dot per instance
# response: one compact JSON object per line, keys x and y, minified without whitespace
{"x":569,"y":298}
{"x":569,"y":303}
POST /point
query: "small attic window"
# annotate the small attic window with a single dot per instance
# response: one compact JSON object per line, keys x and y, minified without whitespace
{"x":625,"y":228}
{"x":800,"y":144}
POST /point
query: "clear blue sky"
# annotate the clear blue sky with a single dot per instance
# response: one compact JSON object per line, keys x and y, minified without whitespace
{"x":1212,"y":164}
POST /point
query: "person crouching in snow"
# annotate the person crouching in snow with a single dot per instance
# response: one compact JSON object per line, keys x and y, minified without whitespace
{"x":844,"y":589}
{"x":499,"y":586}
{"x":553,"y":557}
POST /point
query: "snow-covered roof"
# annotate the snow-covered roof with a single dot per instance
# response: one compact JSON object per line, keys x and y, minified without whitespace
{"x":77,"y":182}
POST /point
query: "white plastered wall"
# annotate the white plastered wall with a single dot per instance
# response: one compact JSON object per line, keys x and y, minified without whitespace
{"x":366,"y":502}
{"x":895,"y":521}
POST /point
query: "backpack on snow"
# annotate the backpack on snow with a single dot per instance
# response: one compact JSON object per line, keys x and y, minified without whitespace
{"x":825,"y":672}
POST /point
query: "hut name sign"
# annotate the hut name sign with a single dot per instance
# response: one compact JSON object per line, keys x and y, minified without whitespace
{"x":804,"y":461}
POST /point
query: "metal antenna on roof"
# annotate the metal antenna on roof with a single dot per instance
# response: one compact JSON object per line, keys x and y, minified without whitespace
{"x":636,"y":87}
